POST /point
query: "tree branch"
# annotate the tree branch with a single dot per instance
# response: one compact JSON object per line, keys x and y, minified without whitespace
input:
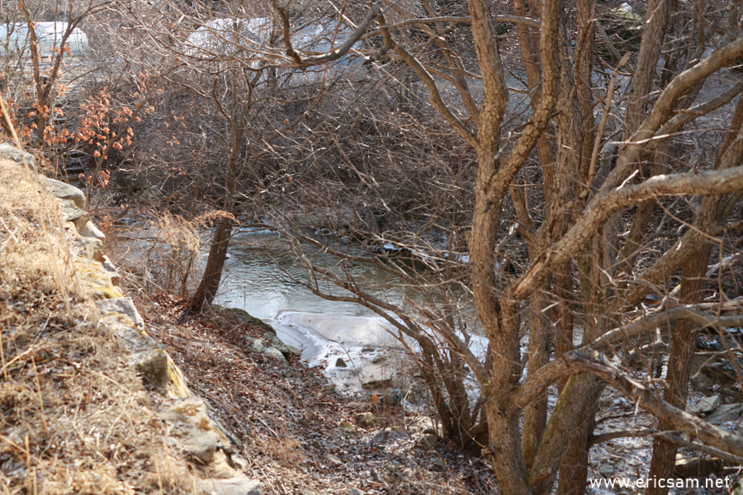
{"x":434,"y":94}
{"x":648,"y":399}
{"x":601,"y":207}
{"x":651,"y":322}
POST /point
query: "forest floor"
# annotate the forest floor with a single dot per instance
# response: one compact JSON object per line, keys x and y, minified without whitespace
{"x":297,"y":433}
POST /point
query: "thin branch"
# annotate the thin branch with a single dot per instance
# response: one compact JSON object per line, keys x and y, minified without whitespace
{"x":374,"y":12}
{"x":654,"y":321}
{"x":434,"y":94}
{"x":457,"y":20}
{"x":687,"y":116}
{"x":602,"y":206}
{"x":648,"y":399}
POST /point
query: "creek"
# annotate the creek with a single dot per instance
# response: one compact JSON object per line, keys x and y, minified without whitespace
{"x":261,"y":277}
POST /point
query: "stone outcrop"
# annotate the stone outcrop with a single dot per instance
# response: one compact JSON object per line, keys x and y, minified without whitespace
{"x":189,"y":426}
{"x":8,"y":151}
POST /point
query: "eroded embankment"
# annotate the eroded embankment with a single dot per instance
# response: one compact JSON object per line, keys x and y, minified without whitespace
{"x":77,"y":415}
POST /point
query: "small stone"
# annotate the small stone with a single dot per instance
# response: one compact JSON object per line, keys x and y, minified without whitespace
{"x":400,"y":429}
{"x":709,"y":404}
{"x":606,"y":470}
{"x":620,"y":402}
{"x":378,"y":359}
{"x":366,"y":419}
{"x":428,"y":441}
{"x":257,"y":345}
{"x":347,"y":427}
{"x":355,"y":491}
{"x":691,"y":409}
{"x":333,"y":461}
{"x":367,"y":349}
{"x":274,"y":353}
{"x":609,"y":449}
{"x":340,"y":363}
{"x":233,"y":486}
{"x":387,"y":436}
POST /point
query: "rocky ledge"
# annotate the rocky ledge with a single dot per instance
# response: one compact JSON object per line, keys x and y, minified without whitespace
{"x":189,"y":425}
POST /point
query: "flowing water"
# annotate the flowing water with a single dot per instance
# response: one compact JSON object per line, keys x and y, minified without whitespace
{"x":261,"y":277}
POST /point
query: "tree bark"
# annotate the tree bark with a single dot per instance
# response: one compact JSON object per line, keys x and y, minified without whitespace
{"x":215,"y":264}
{"x":692,"y":291}
{"x":679,"y":365}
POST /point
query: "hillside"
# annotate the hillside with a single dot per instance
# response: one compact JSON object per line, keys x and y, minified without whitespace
{"x":93,"y":403}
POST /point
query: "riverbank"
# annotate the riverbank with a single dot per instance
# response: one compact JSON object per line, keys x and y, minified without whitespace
{"x":298,"y":434}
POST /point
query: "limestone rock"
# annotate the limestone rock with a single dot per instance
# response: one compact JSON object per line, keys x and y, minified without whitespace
{"x":157,"y":368}
{"x":160,"y":372}
{"x":366,"y":419}
{"x":111,"y":270}
{"x":245,"y":317}
{"x":709,"y":404}
{"x":90,"y":230}
{"x":235,"y":486}
{"x":257,"y":345}
{"x":192,"y":429}
{"x":122,"y":305}
{"x":340,"y":363}
{"x":12,"y":153}
{"x":333,"y":461}
{"x":274,"y":353}
{"x":88,"y":247}
{"x":63,"y":190}
{"x":95,"y":280}
{"x":429,"y":441}
{"x":286,"y":350}
{"x":71,"y":213}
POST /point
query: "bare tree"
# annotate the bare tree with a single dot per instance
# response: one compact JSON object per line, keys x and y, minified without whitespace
{"x":551,"y":192}
{"x":573,"y":248}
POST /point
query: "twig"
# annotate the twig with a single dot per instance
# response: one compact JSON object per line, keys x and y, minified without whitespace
{"x":41,"y":397}
{"x":600,"y":131}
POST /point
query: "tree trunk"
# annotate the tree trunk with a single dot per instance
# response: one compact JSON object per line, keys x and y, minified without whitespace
{"x":215,"y":263}
{"x":574,"y":465}
{"x":679,"y":365}
{"x":535,"y":414}
{"x":692,"y":291}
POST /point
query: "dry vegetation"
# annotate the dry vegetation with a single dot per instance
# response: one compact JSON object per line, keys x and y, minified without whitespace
{"x":75,"y":416}
{"x":289,"y":422}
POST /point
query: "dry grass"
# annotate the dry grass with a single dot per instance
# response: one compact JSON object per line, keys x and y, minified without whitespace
{"x":75,"y":416}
